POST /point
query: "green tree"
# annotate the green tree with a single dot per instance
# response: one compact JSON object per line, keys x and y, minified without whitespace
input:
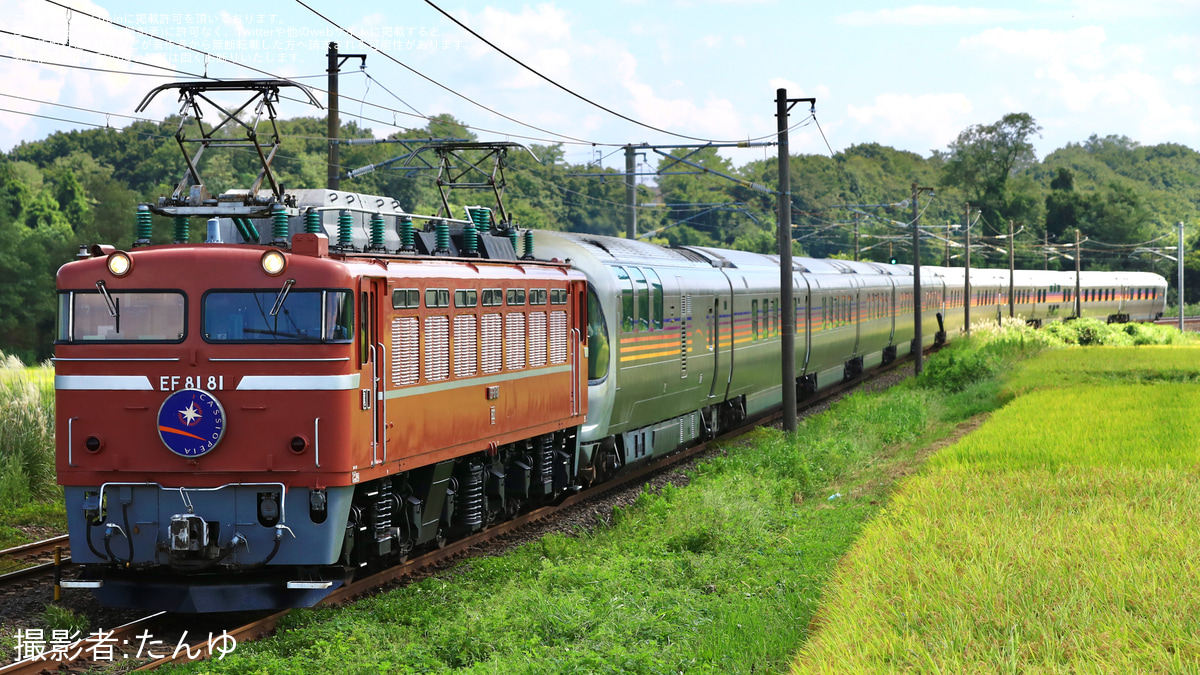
{"x":984,"y":160}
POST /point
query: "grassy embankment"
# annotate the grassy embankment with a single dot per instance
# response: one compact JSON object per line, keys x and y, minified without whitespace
{"x":721,"y":576}
{"x":29,"y":496}
{"x":1059,"y":537}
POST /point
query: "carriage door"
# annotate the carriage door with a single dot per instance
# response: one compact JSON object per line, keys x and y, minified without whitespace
{"x":375,"y":361}
{"x":803,"y":298}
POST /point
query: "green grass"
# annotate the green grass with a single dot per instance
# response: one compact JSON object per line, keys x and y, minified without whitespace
{"x":29,"y":494}
{"x":1059,"y":537}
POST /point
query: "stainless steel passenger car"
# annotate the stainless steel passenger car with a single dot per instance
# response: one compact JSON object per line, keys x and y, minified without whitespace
{"x":685,"y":342}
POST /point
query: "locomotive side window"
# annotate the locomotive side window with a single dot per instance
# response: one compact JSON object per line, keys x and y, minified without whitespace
{"x":493,"y":297}
{"x":537,"y":296}
{"x":558,"y":296}
{"x":132,"y":316}
{"x":436,"y":298}
{"x":406,"y":298}
{"x":466,"y":298}
{"x":303,"y":316}
{"x":516,"y":296}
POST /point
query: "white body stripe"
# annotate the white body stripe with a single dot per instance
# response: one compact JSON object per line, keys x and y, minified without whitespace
{"x":474,"y":381}
{"x":102,"y":383}
{"x":298,"y":382}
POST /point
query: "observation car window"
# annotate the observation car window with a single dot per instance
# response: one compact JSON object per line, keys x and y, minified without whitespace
{"x":656,"y":289}
{"x":643,"y":295}
{"x":598,"y":352}
{"x":303,"y":316}
{"x":141,"y":316}
{"x":627,"y":304}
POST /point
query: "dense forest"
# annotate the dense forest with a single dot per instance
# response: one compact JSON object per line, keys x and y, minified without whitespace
{"x":83,"y":187}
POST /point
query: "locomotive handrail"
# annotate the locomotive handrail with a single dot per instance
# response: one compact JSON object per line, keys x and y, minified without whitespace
{"x":382,"y":398}
{"x":70,"y":441}
{"x":317,"y":440}
{"x":371,"y":407}
{"x":575,"y":371}
{"x":182,"y":489}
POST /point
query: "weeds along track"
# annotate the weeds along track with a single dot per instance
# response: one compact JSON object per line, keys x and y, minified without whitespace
{"x":170,"y":628}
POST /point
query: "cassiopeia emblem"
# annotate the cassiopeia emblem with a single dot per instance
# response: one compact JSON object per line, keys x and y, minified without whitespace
{"x":191,"y":422}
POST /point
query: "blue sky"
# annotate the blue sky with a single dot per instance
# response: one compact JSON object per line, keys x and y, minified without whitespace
{"x":904,"y":75}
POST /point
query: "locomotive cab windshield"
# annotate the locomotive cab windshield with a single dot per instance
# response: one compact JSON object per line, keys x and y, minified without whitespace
{"x":304,"y":315}
{"x":122,"y":316}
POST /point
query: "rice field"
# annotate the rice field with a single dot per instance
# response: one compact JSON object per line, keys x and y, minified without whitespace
{"x":1059,"y":537}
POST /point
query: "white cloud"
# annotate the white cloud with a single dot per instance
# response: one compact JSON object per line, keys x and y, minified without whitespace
{"x":103,"y":91}
{"x":711,"y":41}
{"x":536,"y":35}
{"x":1187,"y":75}
{"x":1096,"y":82}
{"x":715,"y":118}
{"x":930,"y":15}
{"x":933,"y":120}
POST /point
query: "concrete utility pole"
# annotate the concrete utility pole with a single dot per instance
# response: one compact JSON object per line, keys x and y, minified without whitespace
{"x":1079,"y":306}
{"x":332,"y":122}
{"x":788,"y":336}
{"x":1179,"y":256}
{"x":919,"y":363}
{"x":967,"y":277}
{"x":630,"y":192}
{"x":1046,"y":250}
{"x":1011,"y":269}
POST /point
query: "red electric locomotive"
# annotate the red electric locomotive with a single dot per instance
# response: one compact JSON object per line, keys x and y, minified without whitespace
{"x":245,"y":425}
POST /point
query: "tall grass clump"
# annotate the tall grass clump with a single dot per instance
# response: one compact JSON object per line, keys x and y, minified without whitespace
{"x":1088,"y":332}
{"x":977,"y":359}
{"x":26,"y":434}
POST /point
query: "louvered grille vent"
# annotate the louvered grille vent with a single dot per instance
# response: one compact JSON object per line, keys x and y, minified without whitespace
{"x":558,"y":337}
{"x":492,"y":340}
{"x":514,"y":341}
{"x":437,"y":348}
{"x":465,"y":341}
{"x":405,"y":354}
{"x":537,"y":339}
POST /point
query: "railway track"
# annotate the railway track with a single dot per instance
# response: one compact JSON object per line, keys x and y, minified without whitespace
{"x":1190,"y":323}
{"x":128,"y":637}
{"x":40,"y":553}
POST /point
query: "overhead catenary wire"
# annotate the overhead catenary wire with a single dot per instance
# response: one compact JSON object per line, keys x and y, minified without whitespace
{"x":439,"y":84}
{"x":571,"y":91}
{"x":260,"y":71}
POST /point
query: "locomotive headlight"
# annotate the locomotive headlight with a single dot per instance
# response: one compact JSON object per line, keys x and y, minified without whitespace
{"x":273,"y":262}
{"x":119,"y":263}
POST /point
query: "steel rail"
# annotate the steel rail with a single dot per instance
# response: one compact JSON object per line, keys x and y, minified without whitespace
{"x":35,"y":548}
